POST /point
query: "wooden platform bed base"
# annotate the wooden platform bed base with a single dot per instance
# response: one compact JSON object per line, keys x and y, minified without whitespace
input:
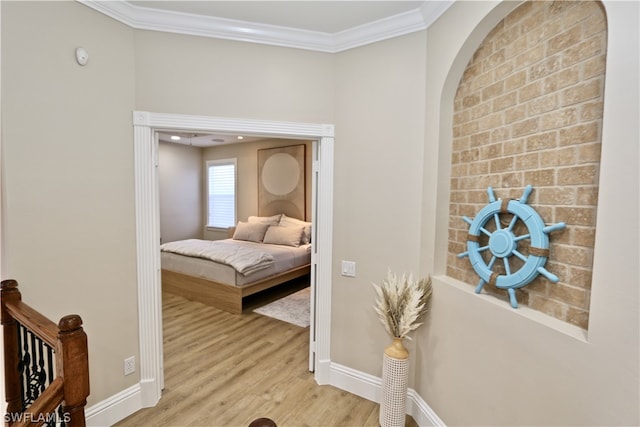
{"x":219,"y":295}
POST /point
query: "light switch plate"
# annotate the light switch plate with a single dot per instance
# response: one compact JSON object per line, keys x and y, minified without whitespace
{"x":348,"y":268}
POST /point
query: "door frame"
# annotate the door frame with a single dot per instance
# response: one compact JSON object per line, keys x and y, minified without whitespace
{"x":146,"y":125}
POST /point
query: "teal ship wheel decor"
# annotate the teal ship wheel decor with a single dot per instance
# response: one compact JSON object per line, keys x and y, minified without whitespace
{"x":502,"y":243}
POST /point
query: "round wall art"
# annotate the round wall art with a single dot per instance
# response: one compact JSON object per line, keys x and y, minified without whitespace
{"x":281,"y":181}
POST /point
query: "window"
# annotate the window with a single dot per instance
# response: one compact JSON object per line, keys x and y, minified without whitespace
{"x":221,"y":193}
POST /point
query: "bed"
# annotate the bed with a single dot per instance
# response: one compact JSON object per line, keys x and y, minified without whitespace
{"x":263,"y":252}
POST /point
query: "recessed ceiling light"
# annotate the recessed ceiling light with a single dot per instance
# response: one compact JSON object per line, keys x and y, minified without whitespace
{"x":240,"y":137}
{"x":175,"y":138}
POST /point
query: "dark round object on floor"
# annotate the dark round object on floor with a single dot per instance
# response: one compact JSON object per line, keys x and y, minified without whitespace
{"x":263,"y":422}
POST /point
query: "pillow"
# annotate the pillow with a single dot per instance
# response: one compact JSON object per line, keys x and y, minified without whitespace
{"x":287,"y":221}
{"x":271,"y":220}
{"x":289,"y":236}
{"x":252,"y":232}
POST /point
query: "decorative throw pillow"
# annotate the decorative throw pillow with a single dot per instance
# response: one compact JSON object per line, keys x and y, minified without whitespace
{"x":289,"y":236}
{"x":250,"y":231}
{"x":287,"y":221}
{"x":271,"y":220}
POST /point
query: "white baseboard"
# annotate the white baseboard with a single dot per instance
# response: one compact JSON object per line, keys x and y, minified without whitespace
{"x":370,"y":387}
{"x":115,"y":408}
{"x":421,"y":411}
{"x":356,"y":382}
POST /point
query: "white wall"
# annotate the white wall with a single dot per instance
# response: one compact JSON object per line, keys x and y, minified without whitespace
{"x":483,"y":363}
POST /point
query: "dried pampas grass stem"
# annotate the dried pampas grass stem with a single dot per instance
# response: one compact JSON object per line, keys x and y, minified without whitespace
{"x":402,"y":302}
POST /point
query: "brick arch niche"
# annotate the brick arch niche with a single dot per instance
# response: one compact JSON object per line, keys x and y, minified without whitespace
{"x":528,"y":110}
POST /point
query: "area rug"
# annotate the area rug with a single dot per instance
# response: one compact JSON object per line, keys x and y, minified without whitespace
{"x":293,"y":308}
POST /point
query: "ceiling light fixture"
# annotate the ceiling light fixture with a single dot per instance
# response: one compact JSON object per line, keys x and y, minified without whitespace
{"x":240,"y":137}
{"x":175,"y":138}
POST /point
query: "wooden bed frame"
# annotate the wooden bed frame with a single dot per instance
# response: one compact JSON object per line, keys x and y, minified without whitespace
{"x":220,"y":295}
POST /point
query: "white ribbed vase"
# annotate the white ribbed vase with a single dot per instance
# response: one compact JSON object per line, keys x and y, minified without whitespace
{"x":395,"y":377}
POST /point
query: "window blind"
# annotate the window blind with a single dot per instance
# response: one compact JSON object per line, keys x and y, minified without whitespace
{"x":221,"y":211}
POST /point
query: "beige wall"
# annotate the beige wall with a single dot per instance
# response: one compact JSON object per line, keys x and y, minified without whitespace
{"x":484,"y":363}
{"x":475,"y":361}
{"x":180,"y":184}
{"x":183,"y":185}
{"x":68,"y":197}
{"x":202,"y":76}
{"x":80,"y":143}
{"x":377,"y":186}
{"x":247,"y":167}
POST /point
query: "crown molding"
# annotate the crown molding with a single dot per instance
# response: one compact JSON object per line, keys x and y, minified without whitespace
{"x":383,"y":29}
{"x":230,"y":29}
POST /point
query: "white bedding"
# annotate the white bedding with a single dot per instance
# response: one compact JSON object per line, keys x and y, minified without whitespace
{"x":245,"y":259}
{"x":286,"y":258}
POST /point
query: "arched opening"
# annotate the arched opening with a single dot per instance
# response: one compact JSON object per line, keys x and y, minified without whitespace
{"x":527,"y":110}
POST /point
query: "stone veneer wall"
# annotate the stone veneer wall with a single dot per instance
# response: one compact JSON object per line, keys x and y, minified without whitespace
{"x":528,"y":110}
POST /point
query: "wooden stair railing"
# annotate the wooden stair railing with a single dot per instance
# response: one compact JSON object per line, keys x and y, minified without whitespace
{"x":46,"y":366}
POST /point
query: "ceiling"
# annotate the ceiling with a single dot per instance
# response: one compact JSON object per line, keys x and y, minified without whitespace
{"x":323,"y":16}
{"x":200,"y":139}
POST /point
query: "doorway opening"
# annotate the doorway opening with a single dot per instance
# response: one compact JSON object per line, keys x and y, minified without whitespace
{"x":146,"y":127}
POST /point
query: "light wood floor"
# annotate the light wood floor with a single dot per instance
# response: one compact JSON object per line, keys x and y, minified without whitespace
{"x":227,"y":370}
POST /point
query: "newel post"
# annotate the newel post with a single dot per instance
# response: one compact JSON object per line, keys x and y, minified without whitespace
{"x":10,"y":294}
{"x":73,"y":366}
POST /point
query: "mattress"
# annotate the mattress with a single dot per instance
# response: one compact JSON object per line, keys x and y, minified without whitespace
{"x":285,"y":258}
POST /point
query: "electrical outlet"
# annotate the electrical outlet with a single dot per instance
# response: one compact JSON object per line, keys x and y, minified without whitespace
{"x":129,"y":365}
